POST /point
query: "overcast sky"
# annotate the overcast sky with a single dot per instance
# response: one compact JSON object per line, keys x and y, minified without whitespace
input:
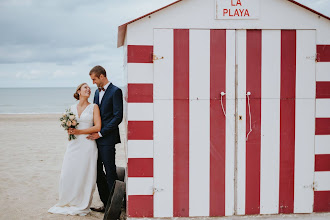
{"x":54,"y":43}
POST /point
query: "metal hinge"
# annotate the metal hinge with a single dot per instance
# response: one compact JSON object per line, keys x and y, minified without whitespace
{"x":317,"y":57}
{"x":311,"y":58}
{"x":157,"y":190}
{"x":154,"y":57}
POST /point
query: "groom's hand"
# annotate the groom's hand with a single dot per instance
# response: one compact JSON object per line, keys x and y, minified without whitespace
{"x":93,"y":136}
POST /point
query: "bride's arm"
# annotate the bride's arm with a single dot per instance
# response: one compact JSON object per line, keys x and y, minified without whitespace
{"x":97,"y":123}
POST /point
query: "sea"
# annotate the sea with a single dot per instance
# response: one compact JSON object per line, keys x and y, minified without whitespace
{"x":37,"y":100}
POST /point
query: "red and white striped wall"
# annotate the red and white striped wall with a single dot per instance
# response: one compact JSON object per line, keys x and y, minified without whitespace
{"x":322,"y":133}
{"x":182,"y":156}
{"x":140,"y":167}
{"x":276,"y":160}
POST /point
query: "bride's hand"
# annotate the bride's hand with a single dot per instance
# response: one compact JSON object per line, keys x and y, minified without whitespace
{"x":73,"y":131}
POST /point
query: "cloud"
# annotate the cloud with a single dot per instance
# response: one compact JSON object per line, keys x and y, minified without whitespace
{"x":30,"y":75}
{"x":62,"y":74}
{"x":322,"y":6}
{"x":47,"y":42}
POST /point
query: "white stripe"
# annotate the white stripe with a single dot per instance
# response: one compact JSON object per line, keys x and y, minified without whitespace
{"x":199,"y":137}
{"x":230,"y":124}
{"x":305,"y":122}
{"x":163,"y":124}
{"x":163,"y":68}
{"x":270,"y":121}
{"x":323,"y":71}
{"x":305,"y":67}
{"x":322,"y":181}
{"x":322,"y":144}
{"x":304,"y":156}
{"x":323,"y":108}
{"x":241,"y":109}
{"x":140,"y":148}
{"x":140,"y":186}
{"x":140,"y":112}
{"x":199,"y":53}
{"x":140,"y":73}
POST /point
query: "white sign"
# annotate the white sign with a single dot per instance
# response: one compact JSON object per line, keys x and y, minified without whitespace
{"x":237,"y":9}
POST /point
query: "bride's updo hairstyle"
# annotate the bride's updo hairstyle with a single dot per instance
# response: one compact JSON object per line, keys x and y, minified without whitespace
{"x":76,"y":95}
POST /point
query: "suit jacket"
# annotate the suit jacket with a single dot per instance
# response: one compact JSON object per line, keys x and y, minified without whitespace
{"x":111,"y":110}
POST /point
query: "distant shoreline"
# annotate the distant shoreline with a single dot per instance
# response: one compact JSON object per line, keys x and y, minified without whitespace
{"x":33,"y":113}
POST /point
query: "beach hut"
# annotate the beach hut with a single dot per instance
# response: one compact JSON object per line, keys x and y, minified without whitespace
{"x":228,"y":109}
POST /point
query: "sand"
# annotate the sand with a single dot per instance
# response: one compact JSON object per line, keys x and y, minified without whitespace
{"x":31,"y":154}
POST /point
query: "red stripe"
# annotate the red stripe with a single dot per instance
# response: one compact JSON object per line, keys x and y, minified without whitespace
{"x":322,"y":201}
{"x":217,"y":123}
{"x":322,"y":162}
{"x":287,"y":121}
{"x":140,"y":167}
{"x":139,"y":54}
{"x":253,"y":144}
{"x":181,"y":124}
{"x":322,"y":126}
{"x":140,"y":93}
{"x":322,"y":90}
{"x":140,"y":130}
{"x":140,"y":206}
{"x":323,"y":53}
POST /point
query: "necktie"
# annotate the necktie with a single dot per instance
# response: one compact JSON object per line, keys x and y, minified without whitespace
{"x":101,"y":89}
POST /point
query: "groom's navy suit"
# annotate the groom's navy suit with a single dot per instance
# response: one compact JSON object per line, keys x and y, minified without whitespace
{"x":111,"y":110}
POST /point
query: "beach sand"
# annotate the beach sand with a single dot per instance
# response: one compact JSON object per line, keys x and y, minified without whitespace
{"x":31,"y":154}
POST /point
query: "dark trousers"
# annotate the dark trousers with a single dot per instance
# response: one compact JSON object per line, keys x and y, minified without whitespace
{"x":105,"y":181}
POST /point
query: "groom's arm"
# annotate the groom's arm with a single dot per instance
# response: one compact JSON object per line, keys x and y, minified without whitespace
{"x":118,"y":114}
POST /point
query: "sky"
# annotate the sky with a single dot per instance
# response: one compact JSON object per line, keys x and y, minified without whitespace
{"x":54,"y":43}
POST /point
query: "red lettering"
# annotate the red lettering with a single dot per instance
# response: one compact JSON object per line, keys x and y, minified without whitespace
{"x":230,"y":15}
{"x":236,"y":13}
{"x":241,"y":11}
{"x":239,"y":3}
{"x":232,"y":3}
{"x":225,"y":11}
{"x":246,"y":13}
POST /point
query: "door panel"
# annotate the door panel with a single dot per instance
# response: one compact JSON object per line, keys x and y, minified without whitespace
{"x":207,"y":156}
{"x":272,"y":149}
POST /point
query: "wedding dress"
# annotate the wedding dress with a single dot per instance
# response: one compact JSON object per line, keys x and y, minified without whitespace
{"x":78,"y":174}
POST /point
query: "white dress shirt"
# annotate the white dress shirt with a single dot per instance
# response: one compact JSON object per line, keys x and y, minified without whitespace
{"x":101,"y":94}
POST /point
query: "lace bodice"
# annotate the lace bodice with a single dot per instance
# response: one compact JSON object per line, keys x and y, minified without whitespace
{"x":86,"y":118}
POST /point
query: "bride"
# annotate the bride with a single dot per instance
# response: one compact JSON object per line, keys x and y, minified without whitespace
{"x":78,"y":174}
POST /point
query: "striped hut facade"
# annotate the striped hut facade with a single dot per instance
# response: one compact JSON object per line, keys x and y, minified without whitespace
{"x":227,"y":117}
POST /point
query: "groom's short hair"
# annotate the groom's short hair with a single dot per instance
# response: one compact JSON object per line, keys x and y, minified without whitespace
{"x":98,"y":71}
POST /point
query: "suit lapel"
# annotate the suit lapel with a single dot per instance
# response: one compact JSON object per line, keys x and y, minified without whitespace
{"x":97,"y":97}
{"x":107,"y":92}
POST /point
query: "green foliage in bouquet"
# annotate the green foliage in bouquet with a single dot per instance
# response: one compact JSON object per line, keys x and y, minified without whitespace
{"x":68,"y":120}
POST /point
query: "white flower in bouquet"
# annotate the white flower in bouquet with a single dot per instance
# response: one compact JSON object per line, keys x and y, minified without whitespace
{"x":68,"y":120}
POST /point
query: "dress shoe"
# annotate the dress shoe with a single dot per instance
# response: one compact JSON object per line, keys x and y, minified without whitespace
{"x":99,"y":209}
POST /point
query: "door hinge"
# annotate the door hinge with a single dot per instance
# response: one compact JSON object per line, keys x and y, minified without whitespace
{"x":157,"y":190}
{"x":154,"y":57}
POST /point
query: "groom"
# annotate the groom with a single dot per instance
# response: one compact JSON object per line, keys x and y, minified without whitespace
{"x":109,"y":98}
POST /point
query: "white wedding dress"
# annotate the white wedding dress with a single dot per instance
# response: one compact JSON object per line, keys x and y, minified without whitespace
{"x":78,"y":174}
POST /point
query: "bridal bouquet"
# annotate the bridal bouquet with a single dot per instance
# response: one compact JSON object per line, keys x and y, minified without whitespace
{"x":68,"y":120}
